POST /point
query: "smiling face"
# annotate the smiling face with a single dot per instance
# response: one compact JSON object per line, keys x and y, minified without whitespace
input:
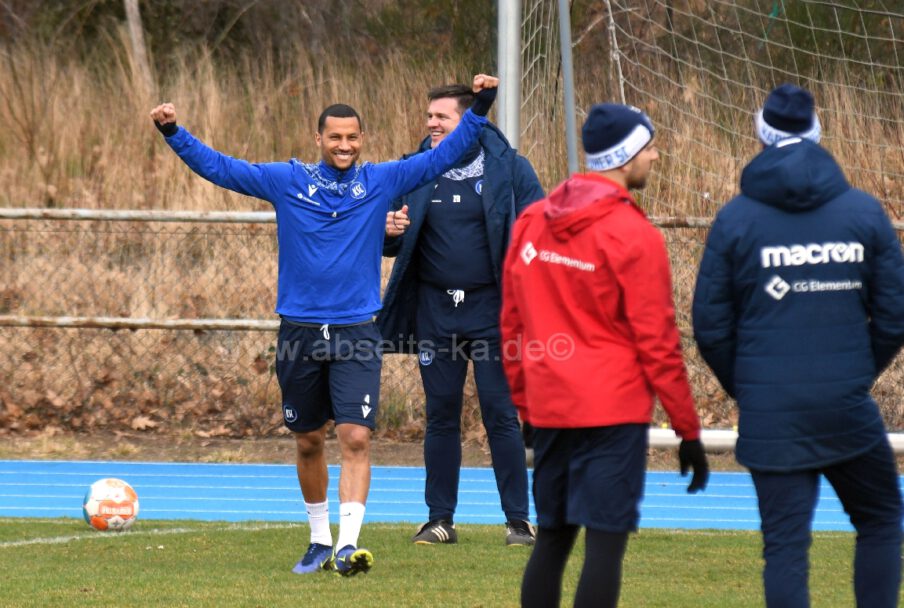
{"x":443,"y":115}
{"x":340,"y":142}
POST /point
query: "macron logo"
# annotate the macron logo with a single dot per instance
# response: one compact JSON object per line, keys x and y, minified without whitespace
{"x":528,"y":253}
{"x":366,"y":409}
{"x":311,"y":189}
{"x":811,"y":254}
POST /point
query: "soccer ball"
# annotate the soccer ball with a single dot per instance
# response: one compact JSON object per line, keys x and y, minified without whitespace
{"x":110,"y":505}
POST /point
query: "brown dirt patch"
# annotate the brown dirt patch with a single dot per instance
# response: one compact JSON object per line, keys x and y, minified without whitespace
{"x":167,"y":448}
{"x":189,"y":448}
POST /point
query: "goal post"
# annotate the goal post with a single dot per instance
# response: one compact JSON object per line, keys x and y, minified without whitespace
{"x":571,"y":145}
{"x":509,"y":69}
{"x":702,"y":68}
{"x":537,"y":83}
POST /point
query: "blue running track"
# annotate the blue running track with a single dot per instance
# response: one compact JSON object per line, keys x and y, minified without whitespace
{"x":262,"y":492}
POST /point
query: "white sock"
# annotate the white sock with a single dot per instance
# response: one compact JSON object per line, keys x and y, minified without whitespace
{"x":351,"y":516}
{"x":319,"y":519}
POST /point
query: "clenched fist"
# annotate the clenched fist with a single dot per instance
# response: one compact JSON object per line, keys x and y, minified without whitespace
{"x":164,"y":114}
{"x":484,"y":81}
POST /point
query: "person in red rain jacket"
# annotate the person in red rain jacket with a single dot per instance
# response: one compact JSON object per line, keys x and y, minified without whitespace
{"x":589,"y":339}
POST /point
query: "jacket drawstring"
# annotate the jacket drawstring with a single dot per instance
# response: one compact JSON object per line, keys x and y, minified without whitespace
{"x":458,"y":295}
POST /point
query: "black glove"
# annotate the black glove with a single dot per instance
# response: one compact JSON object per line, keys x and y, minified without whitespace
{"x":691,"y":455}
{"x":168,"y":130}
{"x":483,"y":100}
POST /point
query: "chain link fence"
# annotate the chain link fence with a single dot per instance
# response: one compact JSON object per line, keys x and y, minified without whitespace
{"x":168,"y":327}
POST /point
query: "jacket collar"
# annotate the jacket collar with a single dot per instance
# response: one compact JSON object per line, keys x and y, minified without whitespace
{"x":583,"y":199}
{"x":330,"y":178}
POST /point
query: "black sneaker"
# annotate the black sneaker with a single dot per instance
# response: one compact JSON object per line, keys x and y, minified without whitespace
{"x":519,"y":532}
{"x":432,"y":532}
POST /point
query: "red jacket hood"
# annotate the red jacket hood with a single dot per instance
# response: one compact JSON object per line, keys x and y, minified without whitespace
{"x":580,"y":201}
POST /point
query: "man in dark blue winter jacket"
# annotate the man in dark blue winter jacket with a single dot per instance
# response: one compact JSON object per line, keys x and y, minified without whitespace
{"x":330,"y":219}
{"x":799,"y":306}
{"x":442,"y":302}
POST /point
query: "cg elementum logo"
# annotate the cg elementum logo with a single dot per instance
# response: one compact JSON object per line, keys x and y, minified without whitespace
{"x":777,"y":287}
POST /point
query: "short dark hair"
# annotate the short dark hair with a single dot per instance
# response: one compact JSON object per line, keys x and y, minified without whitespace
{"x":338,"y":110}
{"x":462,"y":93}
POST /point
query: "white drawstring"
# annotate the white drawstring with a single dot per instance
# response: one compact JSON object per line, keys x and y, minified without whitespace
{"x":458,"y":295}
{"x":325,"y":328}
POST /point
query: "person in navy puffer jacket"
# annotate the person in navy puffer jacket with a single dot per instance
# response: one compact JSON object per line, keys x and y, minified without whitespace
{"x":799,"y":306}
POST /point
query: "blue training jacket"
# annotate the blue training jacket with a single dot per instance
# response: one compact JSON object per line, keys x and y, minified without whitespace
{"x":798,"y":307}
{"x":330,"y":223}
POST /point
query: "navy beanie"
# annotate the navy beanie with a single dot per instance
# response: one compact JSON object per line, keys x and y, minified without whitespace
{"x":788,"y":112}
{"x":613,"y":134}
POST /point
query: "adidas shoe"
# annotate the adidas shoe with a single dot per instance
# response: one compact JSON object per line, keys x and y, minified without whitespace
{"x":519,"y":532}
{"x":318,"y":557}
{"x":433,"y":532}
{"x":350,"y":560}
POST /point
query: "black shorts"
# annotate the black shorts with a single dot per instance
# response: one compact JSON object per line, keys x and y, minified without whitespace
{"x":328,"y":373}
{"x":591,"y":477}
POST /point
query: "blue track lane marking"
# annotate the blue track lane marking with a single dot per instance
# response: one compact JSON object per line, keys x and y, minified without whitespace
{"x":269,"y":492}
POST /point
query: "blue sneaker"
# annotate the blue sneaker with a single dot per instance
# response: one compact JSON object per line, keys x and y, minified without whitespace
{"x":318,"y":557}
{"x":350,"y":560}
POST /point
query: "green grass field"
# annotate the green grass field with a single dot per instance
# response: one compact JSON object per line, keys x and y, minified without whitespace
{"x":61,"y":562}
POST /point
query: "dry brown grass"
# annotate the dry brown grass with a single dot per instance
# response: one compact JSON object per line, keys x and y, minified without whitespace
{"x":79,"y":136}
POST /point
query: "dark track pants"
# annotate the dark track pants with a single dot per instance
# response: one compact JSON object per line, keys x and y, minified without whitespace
{"x":868,"y":489}
{"x":601,"y":574}
{"x":451,"y":336}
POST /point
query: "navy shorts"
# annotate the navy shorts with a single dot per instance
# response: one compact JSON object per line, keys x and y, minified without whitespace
{"x":591,"y":477}
{"x":328,"y":373}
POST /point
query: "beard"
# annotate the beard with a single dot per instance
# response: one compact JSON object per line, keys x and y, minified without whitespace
{"x":636,"y":182}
